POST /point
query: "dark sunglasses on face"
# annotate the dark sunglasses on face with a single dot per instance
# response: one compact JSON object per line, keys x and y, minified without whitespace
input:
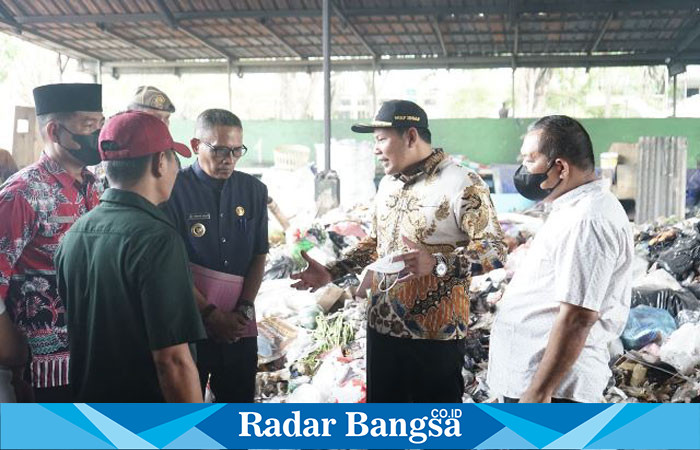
{"x":221,"y":151}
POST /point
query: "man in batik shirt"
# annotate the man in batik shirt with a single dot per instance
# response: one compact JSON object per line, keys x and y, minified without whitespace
{"x":438,"y":219}
{"x":38,"y":204}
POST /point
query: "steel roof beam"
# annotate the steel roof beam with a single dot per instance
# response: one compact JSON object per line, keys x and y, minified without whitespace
{"x":353,"y":29}
{"x":601,"y":33}
{"x":62,"y":46}
{"x":491,"y":8}
{"x":168,"y":16}
{"x":109,"y":32}
{"x":7,"y":18}
{"x":688,"y":39}
{"x":438,"y":34}
{"x":278,"y":38}
{"x":245,"y":66}
{"x":206,"y":43}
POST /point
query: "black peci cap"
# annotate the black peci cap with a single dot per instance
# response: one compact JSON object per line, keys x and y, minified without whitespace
{"x":68,"y":97}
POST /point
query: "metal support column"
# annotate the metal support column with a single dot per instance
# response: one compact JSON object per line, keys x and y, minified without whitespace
{"x":228,"y":84}
{"x":675,"y":83}
{"x":512,"y":92}
{"x":327,"y":182}
{"x":374,"y":91}
{"x":327,"y":83}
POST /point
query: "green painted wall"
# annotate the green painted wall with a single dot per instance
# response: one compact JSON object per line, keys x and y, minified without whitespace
{"x":482,"y":140}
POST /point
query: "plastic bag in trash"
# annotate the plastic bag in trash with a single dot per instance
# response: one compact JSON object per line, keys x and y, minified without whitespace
{"x":687,"y":316}
{"x":668,"y":299}
{"x":646,"y":325}
{"x":682,"y":350}
{"x":657,"y":280}
{"x":694,"y":288}
{"x":279,"y":268}
{"x":680,"y":259}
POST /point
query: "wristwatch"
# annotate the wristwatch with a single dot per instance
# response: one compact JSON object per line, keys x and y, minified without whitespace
{"x":247,"y":309}
{"x":440,"y":269}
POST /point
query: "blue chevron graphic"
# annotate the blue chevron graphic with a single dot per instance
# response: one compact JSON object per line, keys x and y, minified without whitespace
{"x":548,"y":416}
{"x":531,"y":432}
{"x":71,"y":413}
{"x":194,"y":438}
{"x":664,"y":426}
{"x":582,"y":435}
{"x":120,"y":436}
{"x":147,"y":415}
{"x":506,"y":438}
{"x":55,"y":432}
{"x":628,"y":414}
{"x":162,"y":435}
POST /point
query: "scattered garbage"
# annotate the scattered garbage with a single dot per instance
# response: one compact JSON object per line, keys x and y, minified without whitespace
{"x":682,"y":350}
{"x":666,"y":366}
{"x":645,"y":325}
{"x":312,"y":345}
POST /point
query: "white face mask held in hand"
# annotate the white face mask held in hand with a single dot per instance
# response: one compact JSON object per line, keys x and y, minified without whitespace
{"x":387,"y":267}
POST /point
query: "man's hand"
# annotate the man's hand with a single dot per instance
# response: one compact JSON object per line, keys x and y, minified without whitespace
{"x":225,"y":326}
{"x":419,"y":262}
{"x":314,"y":277}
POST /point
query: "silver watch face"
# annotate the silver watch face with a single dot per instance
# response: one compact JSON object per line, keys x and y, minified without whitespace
{"x":441,"y":269}
{"x":248,"y":312}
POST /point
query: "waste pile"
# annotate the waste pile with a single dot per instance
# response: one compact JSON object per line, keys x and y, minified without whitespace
{"x":658,"y":357}
{"x":312,"y":344}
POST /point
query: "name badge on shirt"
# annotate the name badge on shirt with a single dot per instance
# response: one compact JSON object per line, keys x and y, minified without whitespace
{"x":62,"y":219}
{"x":199,"y":216}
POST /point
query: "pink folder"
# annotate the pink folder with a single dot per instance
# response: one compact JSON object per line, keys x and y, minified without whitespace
{"x":223,"y":290}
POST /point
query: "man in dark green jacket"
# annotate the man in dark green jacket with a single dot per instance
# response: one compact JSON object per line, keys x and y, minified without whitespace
{"x":123,"y":273}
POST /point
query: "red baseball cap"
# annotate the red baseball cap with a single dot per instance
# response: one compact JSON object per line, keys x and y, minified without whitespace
{"x":132,"y":134}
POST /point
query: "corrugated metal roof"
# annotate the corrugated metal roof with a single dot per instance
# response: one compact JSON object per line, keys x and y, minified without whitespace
{"x":386,"y":33}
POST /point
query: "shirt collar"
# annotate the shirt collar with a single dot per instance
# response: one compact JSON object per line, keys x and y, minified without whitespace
{"x":208,"y":180}
{"x":134,"y":200}
{"x":571,"y":197}
{"x":428,"y":166}
{"x":56,"y":170}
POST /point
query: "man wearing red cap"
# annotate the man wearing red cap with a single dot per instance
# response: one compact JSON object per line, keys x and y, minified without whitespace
{"x":37,"y":205}
{"x":123,"y":272}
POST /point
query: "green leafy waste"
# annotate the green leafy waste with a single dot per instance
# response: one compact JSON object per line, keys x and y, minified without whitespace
{"x":331,"y":332}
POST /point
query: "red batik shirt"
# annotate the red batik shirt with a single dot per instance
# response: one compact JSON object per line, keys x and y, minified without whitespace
{"x":37,"y":206}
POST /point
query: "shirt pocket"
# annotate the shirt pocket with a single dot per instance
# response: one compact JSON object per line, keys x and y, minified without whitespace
{"x":245,"y":226}
{"x":438,"y":220}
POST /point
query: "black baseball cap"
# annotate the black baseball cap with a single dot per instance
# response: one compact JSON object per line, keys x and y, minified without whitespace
{"x":395,"y":114}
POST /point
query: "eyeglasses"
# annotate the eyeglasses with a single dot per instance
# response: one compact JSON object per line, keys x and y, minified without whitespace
{"x":222,"y":152}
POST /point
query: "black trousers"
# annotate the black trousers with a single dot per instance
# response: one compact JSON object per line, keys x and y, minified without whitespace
{"x":232,"y":368}
{"x":60,"y":394}
{"x":414,"y":370}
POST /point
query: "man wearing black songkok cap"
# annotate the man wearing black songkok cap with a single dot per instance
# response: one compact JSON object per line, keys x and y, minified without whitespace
{"x":38,"y":204}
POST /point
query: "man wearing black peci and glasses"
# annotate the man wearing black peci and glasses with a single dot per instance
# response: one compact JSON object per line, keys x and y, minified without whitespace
{"x":222,"y":216}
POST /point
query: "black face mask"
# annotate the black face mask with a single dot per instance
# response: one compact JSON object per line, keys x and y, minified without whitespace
{"x":528,"y":184}
{"x":88,"y":153}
